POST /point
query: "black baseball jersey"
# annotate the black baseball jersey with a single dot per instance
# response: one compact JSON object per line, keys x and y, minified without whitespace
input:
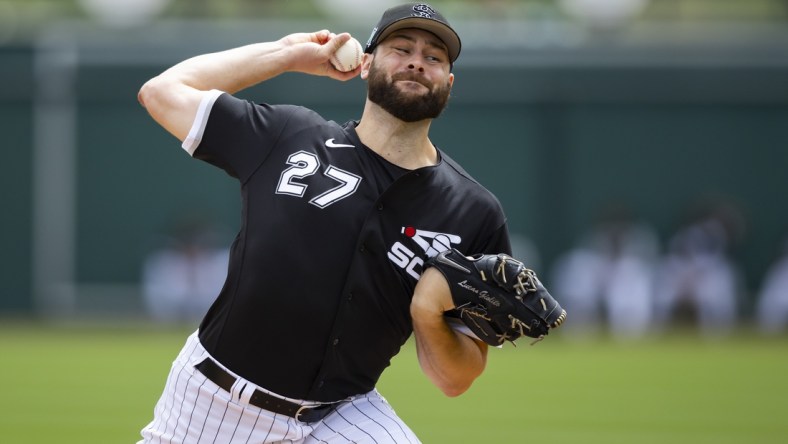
{"x":332,"y":241}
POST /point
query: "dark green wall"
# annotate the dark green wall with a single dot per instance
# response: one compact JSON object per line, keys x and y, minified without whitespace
{"x":16,"y":66}
{"x":556,"y":143}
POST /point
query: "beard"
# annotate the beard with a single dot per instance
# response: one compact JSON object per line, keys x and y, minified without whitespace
{"x":405,"y":106}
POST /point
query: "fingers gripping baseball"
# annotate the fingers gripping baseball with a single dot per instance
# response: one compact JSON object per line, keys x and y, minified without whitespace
{"x":311,"y":53}
{"x":345,"y":56}
{"x":497,"y":297}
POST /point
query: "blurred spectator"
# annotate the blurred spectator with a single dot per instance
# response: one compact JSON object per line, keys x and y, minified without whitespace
{"x":181,"y":279}
{"x":607,"y":278}
{"x":697,"y":279}
{"x":771,"y":311}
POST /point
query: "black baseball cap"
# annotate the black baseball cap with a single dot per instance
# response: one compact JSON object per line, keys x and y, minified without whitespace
{"x":415,"y":15}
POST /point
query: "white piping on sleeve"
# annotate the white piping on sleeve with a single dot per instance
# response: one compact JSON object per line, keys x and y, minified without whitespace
{"x":200,"y":121}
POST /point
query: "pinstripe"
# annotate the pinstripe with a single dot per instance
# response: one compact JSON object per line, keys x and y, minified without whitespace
{"x":270,"y":428}
{"x":238,"y":423}
{"x":185,"y":394}
{"x":354,"y":420}
{"x":208,"y":415}
{"x":251,"y":430}
{"x":289,"y":424}
{"x":194,"y":407}
{"x":161,"y":406}
{"x":170,"y":391}
{"x":157,"y":420}
{"x":162,"y":421}
{"x":221,"y":421}
{"x":337,"y":432}
{"x":173,"y":395}
{"x":287,"y":433}
{"x":388,"y":414}
{"x":356,"y":425}
{"x":366,"y":418}
{"x":353,"y":403}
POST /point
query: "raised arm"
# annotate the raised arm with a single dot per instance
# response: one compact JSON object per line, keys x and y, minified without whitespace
{"x":173,"y":97}
{"x":451,"y":360}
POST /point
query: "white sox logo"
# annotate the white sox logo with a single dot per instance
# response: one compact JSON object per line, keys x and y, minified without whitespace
{"x":430,"y":241}
{"x":423,"y":10}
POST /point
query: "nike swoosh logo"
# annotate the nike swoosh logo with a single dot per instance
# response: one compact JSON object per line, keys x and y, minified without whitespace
{"x":331,"y":144}
{"x":446,"y":261}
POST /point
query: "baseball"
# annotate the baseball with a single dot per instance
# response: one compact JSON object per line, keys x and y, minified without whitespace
{"x":348,"y":56}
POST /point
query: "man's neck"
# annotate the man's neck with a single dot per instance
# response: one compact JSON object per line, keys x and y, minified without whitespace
{"x":405,"y":144}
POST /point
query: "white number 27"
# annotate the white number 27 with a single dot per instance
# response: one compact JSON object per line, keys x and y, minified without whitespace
{"x":304,"y":164}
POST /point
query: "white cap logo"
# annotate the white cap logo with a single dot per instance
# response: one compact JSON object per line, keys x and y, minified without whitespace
{"x":424,"y":10}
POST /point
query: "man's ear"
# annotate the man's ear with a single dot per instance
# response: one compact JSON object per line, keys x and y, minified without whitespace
{"x":366,"y":63}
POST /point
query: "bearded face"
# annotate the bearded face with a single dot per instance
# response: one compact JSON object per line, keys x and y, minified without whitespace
{"x":404,"y":105}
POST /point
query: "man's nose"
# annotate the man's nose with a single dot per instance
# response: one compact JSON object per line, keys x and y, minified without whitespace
{"x":415,"y":63}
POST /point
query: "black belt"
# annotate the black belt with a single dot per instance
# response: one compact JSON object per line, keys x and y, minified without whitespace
{"x":220,"y":377}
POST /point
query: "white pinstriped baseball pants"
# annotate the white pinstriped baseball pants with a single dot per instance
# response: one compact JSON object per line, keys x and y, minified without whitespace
{"x":194,"y":410}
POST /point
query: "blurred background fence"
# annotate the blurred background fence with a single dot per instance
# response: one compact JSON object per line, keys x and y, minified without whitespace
{"x":668,"y":119}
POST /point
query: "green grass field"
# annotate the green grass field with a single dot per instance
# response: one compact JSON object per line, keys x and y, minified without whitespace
{"x":87,"y":384}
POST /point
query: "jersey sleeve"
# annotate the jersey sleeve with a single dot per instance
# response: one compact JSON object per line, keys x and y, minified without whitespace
{"x":234,"y":134}
{"x":492,"y":234}
{"x":200,"y":120}
{"x":499,"y":241}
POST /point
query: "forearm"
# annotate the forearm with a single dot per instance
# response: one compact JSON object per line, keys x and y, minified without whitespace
{"x":451,"y":360}
{"x":232,"y":70}
{"x":173,"y":97}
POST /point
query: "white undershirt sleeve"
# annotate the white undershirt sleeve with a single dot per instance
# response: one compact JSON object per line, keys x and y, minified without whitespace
{"x":460,"y":327}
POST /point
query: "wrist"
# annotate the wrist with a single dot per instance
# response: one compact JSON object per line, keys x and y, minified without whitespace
{"x":431,"y":297}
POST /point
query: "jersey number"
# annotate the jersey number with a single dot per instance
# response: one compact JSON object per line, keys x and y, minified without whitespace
{"x":304,"y":164}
